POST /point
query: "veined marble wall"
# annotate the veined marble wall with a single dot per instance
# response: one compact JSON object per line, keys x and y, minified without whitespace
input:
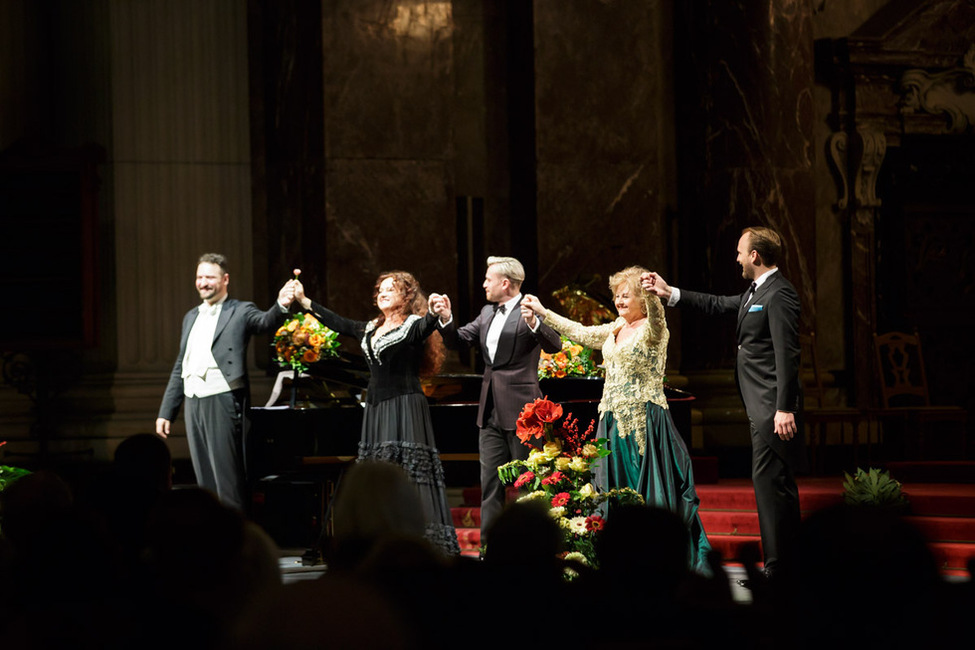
{"x":745,"y":116}
{"x":605,"y":148}
{"x":388,"y":70}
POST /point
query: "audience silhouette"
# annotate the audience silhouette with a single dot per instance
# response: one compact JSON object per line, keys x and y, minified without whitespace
{"x":130,"y":562}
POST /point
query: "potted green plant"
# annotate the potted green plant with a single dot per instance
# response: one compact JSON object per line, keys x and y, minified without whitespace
{"x":875,"y":488}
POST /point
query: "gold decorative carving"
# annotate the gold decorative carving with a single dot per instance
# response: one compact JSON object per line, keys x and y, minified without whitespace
{"x":837,"y":154}
{"x":863,"y":156}
{"x":951,"y":92}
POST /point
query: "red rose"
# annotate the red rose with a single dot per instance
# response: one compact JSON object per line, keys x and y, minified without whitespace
{"x":547,"y":411}
{"x":560,"y":499}
{"x":595,"y":523}
{"x":524,"y":479}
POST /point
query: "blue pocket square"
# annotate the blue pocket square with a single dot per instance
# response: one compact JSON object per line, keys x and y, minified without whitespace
{"x":755,"y":308}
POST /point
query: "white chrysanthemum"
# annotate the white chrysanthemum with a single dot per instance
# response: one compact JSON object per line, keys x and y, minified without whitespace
{"x":536,"y":458}
{"x":552,"y":449}
{"x":578,"y":525}
{"x":578,"y":464}
{"x":577,"y":556}
{"x":532,"y":496}
{"x":555,"y":513}
{"x":590,"y":450}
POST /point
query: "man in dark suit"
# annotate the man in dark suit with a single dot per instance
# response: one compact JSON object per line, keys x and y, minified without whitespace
{"x":767,"y":374}
{"x":211,"y":374}
{"x":510,"y":349}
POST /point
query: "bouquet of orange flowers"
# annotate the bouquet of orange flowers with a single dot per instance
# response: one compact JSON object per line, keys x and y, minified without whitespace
{"x":573,"y":360}
{"x":560,"y":474}
{"x":303,"y":340}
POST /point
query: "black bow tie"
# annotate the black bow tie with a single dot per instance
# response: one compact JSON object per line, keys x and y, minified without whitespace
{"x":751,"y":290}
{"x":500,"y":308}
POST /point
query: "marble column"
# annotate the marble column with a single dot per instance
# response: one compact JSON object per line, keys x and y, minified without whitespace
{"x":181,"y":157}
{"x":181,"y":183}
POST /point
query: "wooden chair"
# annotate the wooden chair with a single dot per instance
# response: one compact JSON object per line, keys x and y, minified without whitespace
{"x":904,"y":389}
{"x":819,"y":416}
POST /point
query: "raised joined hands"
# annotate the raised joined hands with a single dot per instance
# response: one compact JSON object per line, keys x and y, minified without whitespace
{"x":439,"y":304}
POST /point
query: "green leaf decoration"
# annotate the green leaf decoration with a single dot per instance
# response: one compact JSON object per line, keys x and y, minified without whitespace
{"x":873,"y":487}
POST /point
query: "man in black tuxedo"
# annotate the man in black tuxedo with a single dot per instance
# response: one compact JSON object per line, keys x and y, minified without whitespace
{"x":767,"y":374}
{"x":510,"y":349}
{"x":210,"y":373}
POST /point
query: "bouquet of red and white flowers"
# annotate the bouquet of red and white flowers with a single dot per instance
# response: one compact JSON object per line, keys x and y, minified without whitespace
{"x":560,"y":474}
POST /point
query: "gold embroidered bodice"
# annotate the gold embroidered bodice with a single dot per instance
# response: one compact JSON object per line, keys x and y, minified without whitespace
{"x":634,"y":368}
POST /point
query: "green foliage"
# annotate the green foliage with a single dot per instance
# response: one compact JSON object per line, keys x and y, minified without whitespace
{"x":873,"y":488}
{"x":7,"y":476}
{"x":10,"y":474}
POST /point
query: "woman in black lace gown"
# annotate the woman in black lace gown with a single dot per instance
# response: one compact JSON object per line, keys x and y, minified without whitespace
{"x":399,"y":345}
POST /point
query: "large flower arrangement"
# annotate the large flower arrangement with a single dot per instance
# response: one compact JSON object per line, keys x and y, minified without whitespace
{"x":573,"y":360}
{"x":560,"y":474}
{"x":303,"y":340}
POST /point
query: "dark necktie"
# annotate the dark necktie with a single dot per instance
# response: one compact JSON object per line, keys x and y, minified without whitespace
{"x":751,"y":294}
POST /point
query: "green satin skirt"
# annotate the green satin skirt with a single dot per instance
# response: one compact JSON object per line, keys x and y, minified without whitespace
{"x":663,"y":474}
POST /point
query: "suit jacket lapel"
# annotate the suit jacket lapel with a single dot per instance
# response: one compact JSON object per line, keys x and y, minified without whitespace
{"x":760,"y":294}
{"x":226,"y":313}
{"x":485,"y":317}
{"x":506,"y":342}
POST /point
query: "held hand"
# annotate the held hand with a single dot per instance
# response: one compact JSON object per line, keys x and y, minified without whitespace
{"x":533,"y":304}
{"x":653,"y":283}
{"x":440,"y":305}
{"x":300,"y":296}
{"x":287,"y":293}
{"x":529,"y":317}
{"x":785,"y":425}
{"x":162,"y":427}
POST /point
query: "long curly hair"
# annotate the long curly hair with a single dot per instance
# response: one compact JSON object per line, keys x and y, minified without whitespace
{"x":414,"y":302}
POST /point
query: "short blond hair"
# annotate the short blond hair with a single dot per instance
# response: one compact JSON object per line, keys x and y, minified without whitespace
{"x":510,"y":268}
{"x":630,"y":276}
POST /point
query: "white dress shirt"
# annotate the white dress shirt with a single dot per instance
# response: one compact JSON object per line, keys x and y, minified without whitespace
{"x":497,"y":324}
{"x":201,"y":375}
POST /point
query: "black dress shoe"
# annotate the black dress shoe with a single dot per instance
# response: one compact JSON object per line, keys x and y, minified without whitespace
{"x":767,"y":577}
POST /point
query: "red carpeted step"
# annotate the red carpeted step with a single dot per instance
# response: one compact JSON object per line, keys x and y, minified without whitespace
{"x":472,"y":496}
{"x":739,"y":494}
{"x":952,"y":556}
{"x":730,"y":522}
{"x":941,"y":499}
{"x":466,"y":517}
{"x":730,"y":546}
{"x":945,"y":529}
